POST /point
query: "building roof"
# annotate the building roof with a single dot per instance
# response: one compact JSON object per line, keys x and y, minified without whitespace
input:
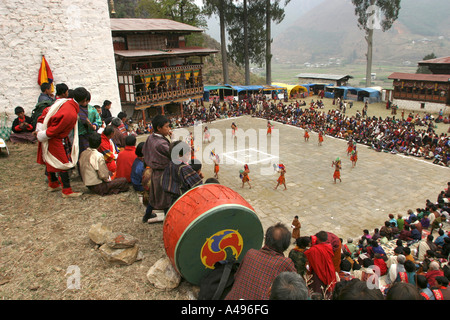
{"x":420,"y":77}
{"x":154,"y":25}
{"x":323,"y":76}
{"x":187,"y":51}
{"x":444,"y":60}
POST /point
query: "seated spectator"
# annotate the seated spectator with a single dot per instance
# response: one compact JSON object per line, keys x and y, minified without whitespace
{"x":259,"y":268}
{"x":125,"y":159}
{"x":409,"y":276}
{"x":345,"y":273}
{"x":118,"y":137}
{"x":416,"y":235}
{"x":288,"y":286}
{"x":123,"y":127}
{"x":400,"y":222}
{"x":387,"y":230}
{"x":445,"y":250}
{"x":439,"y":242}
{"x":180,"y":176}
{"x":359,"y":290}
{"x":350,"y":247}
{"x":380,"y":261}
{"x":395,"y":269}
{"x":405,"y":234}
{"x":433,"y":272}
{"x":297,"y":254}
{"x":441,"y":291}
{"x":425,"y":222}
{"x":407,"y":254}
{"x":95,"y":173}
{"x":376,"y":248}
{"x":108,"y":149}
{"x":424,"y":290}
{"x":403,"y":291}
{"x":383,"y":238}
{"x":22,"y":128}
{"x":137,"y":169}
{"x":424,"y":246}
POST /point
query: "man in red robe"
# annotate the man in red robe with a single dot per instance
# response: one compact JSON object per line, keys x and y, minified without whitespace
{"x":60,"y":120}
{"x":320,"y":258}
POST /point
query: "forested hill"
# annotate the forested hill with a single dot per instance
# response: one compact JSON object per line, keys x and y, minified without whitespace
{"x":329,"y":30}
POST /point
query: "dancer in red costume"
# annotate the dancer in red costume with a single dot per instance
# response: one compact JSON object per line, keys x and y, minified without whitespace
{"x":60,"y":119}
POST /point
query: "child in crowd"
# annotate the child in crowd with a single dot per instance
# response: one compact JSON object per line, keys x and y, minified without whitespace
{"x":126,"y":158}
{"x":22,"y":128}
{"x":137,"y":169}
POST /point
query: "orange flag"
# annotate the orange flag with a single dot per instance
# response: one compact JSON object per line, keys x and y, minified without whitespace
{"x":45,"y":73}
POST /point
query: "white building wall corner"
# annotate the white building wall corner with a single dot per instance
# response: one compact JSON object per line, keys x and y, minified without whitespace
{"x":421,"y":106}
{"x":75,"y":37}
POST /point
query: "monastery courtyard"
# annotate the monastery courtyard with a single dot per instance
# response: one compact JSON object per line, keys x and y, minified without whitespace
{"x":380,"y":184}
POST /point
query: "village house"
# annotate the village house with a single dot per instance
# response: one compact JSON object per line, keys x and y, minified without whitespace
{"x":154,"y":66}
{"x":424,"y":92}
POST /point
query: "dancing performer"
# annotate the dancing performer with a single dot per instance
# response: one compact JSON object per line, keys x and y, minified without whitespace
{"x":337,"y":169}
{"x":306,"y":135}
{"x":244,"y":176}
{"x":206,"y":135}
{"x":215,"y":158}
{"x":349,"y":147}
{"x":233,"y":130}
{"x":281,"y":178}
{"x":320,"y":138}
{"x":354,"y":158}
{"x":269,"y":128}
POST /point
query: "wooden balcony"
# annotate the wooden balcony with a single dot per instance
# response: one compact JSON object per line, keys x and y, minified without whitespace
{"x":420,"y":97}
{"x":160,"y":86}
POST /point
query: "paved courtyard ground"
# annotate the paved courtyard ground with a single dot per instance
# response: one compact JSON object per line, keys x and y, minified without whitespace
{"x":381,"y":183}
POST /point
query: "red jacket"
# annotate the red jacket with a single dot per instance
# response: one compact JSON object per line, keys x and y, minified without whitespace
{"x":125,"y":161}
{"x":59,"y":127}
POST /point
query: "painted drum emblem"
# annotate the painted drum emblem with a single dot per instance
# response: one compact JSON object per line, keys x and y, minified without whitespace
{"x":214,"y":249}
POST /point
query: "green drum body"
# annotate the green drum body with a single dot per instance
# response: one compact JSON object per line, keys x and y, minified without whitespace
{"x":208,"y":224}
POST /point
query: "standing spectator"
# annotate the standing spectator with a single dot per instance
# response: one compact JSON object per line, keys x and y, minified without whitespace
{"x":106,"y":112}
{"x":296,"y":225}
{"x":58,"y":123}
{"x":259,"y":268}
{"x":320,"y":259}
{"x":157,"y":158}
{"x":46,"y":92}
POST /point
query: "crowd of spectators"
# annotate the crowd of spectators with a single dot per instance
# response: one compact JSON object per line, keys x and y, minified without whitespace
{"x":406,"y":258}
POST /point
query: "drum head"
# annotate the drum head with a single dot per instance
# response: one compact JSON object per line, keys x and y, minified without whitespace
{"x":208,"y":224}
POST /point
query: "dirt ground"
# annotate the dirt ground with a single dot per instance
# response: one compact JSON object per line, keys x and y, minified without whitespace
{"x":42,"y":235}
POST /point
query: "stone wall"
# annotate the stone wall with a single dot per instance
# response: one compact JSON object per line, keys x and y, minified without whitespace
{"x":74,"y":36}
{"x":430,"y":107}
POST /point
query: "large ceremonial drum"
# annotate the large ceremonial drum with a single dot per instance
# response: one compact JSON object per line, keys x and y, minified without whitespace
{"x":209,"y":223}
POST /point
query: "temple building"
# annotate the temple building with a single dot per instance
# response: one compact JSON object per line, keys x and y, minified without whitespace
{"x":424,"y":92}
{"x":154,"y":66}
